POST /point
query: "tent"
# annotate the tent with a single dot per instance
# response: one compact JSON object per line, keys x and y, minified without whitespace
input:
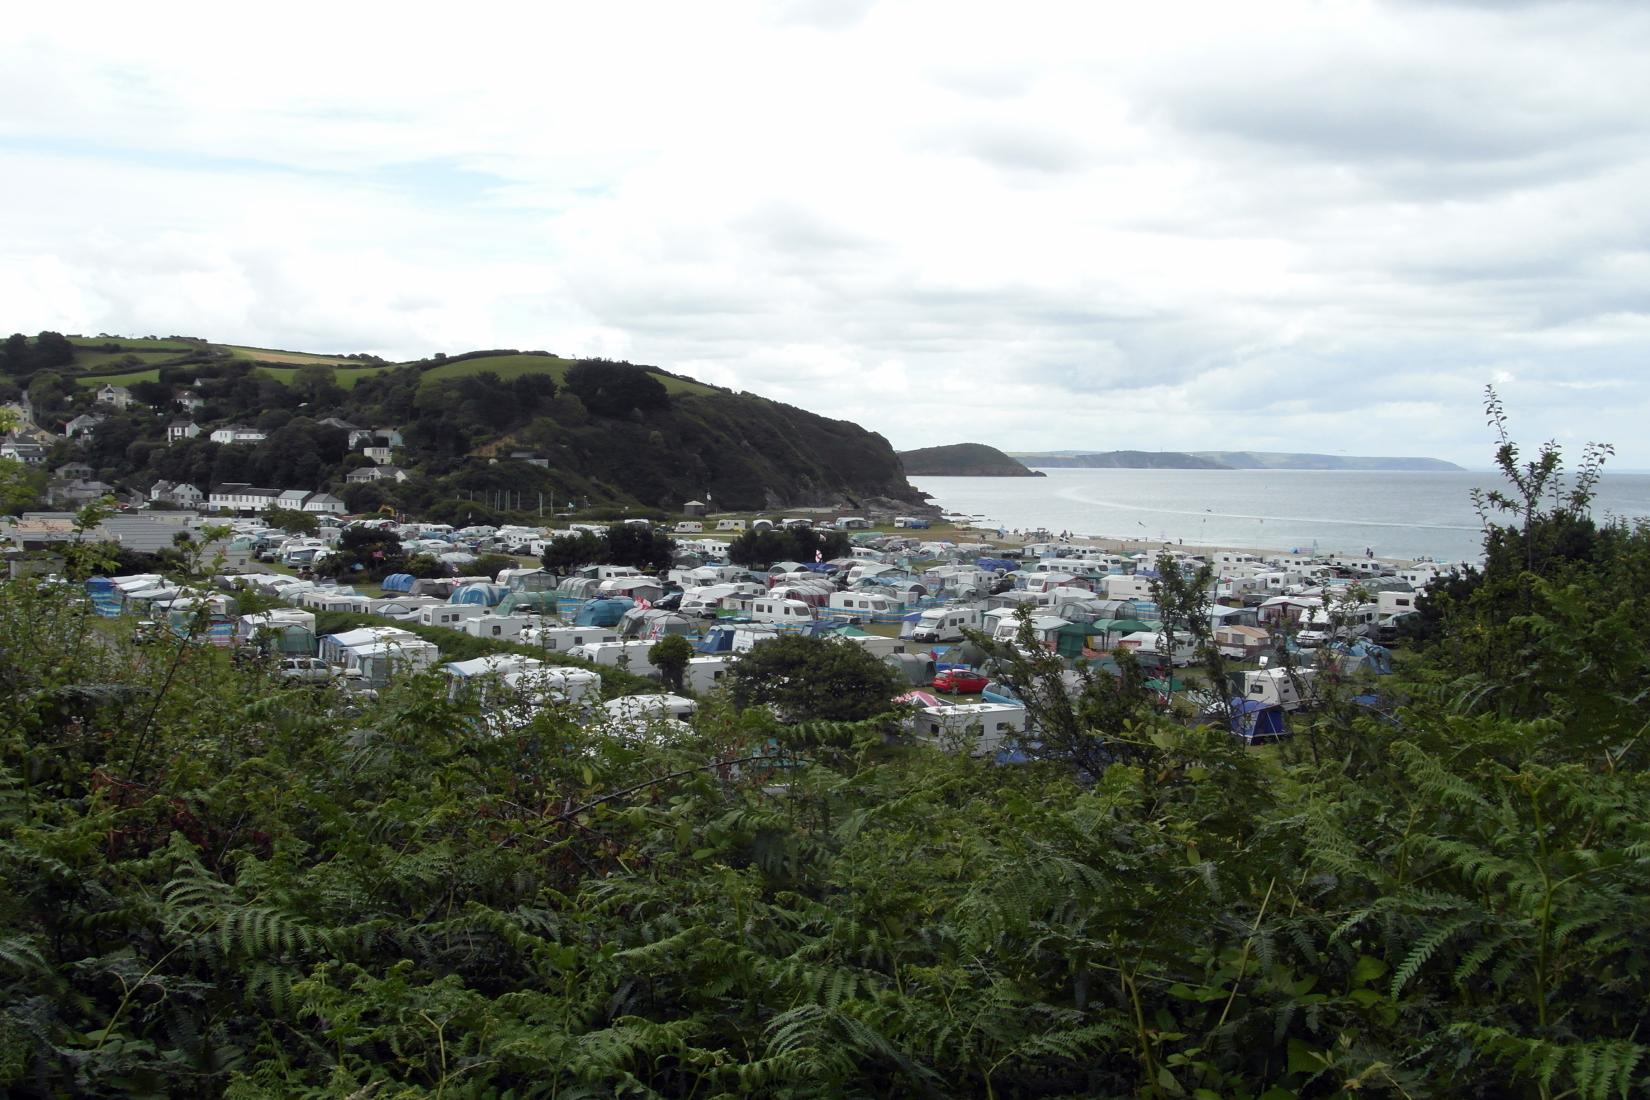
{"x":1254,"y":720}
{"x":397,"y":582}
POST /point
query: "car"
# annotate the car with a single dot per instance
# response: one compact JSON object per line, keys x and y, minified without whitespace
{"x":310,"y":670}
{"x":960,"y":681}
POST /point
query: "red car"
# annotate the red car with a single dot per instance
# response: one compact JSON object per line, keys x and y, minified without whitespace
{"x":958,"y":681}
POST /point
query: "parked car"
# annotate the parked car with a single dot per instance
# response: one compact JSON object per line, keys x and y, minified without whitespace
{"x":306,"y":670}
{"x":957,"y":681}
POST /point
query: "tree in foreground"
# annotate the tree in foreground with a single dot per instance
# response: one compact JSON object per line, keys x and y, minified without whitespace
{"x":670,"y":655}
{"x":814,"y":679}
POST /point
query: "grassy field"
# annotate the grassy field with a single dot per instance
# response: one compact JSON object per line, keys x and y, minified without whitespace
{"x":118,"y":379}
{"x":133,"y":343}
{"x":296,"y":358}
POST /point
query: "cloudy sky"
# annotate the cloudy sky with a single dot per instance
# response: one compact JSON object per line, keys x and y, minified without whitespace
{"x":1288,"y":226}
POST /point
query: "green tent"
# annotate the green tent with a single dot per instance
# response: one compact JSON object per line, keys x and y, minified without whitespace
{"x":1172,"y":685}
{"x":1118,"y":627}
{"x":1070,"y":640}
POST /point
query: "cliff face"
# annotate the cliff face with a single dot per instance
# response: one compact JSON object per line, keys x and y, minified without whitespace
{"x":962,"y":460}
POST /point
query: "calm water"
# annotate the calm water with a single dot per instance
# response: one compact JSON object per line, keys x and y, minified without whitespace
{"x":1399,"y":515}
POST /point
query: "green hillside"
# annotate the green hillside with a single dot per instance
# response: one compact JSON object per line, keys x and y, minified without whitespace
{"x":602,"y":434}
{"x":962,"y":460}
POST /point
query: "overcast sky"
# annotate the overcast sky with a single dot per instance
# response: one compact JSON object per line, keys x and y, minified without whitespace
{"x":1314,"y":226}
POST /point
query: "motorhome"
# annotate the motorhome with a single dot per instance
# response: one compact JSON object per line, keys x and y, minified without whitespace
{"x":945,"y":624}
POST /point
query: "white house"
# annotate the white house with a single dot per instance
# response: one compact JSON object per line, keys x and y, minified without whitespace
{"x":239,"y":497}
{"x":118,"y":396}
{"x":236,"y":433}
{"x":181,"y":429}
{"x":379,"y":453}
{"x":188,"y":401}
{"x":375,"y":473}
{"x":19,"y":450}
{"x":182,"y":494}
{"x":84,"y":424}
{"x":325,"y":503}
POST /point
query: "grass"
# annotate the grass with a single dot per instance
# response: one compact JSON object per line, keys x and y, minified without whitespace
{"x":152,"y":375}
{"x":91,"y":362}
{"x":345,"y":378}
{"x":133,"y":343}
{"x":296,"y":358}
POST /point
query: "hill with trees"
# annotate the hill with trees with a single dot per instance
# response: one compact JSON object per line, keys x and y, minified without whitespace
{"x":492,"y":433}
{"x":962,"y":460}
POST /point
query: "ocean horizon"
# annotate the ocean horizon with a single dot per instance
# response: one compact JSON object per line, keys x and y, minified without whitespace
{"x":1394,"y":514}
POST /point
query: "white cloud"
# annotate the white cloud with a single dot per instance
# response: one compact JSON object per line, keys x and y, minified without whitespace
{"x":1300,"y":226}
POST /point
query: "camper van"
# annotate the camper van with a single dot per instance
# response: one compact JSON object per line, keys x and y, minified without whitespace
{"x":945,"y":624}
{"x":705,"y":673}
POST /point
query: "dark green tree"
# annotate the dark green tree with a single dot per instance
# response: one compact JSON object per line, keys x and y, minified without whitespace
{"x":809,"y":679}
{"x":615,"y":389}
{"x":565,"y":553}
{"x":670,"y":655}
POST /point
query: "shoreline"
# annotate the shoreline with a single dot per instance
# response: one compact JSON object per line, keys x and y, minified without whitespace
{"x":1152,"y":547}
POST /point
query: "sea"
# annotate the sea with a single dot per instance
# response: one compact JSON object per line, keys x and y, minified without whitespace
{"x":1405,"y":515}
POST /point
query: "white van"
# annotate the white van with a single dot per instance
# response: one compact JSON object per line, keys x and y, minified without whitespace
{"x":946,"y":624}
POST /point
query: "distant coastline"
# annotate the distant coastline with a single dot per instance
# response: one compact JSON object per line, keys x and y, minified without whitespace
{"x":1226,"y":460}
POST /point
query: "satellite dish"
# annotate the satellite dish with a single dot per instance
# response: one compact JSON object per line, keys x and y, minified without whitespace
{"x":1263,"y":661}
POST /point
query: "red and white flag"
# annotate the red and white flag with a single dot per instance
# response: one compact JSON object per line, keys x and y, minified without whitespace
{"x":643,"y":604}
{"x":819,"y":556}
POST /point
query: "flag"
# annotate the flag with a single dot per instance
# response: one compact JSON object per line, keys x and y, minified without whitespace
{"x":643,"y":604}
{"x":819,"y":556}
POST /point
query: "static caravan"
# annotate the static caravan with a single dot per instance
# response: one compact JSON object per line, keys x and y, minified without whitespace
{"x":982,"y":729}
{"x":730,"y":525}
{"x":689,"y":527}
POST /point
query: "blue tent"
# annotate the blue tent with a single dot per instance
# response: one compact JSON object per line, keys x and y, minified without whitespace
{"x":398,"y":582}
{"x":604,"y":612}
{"x":1255,"y":721}
{"x":487,"y":595}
